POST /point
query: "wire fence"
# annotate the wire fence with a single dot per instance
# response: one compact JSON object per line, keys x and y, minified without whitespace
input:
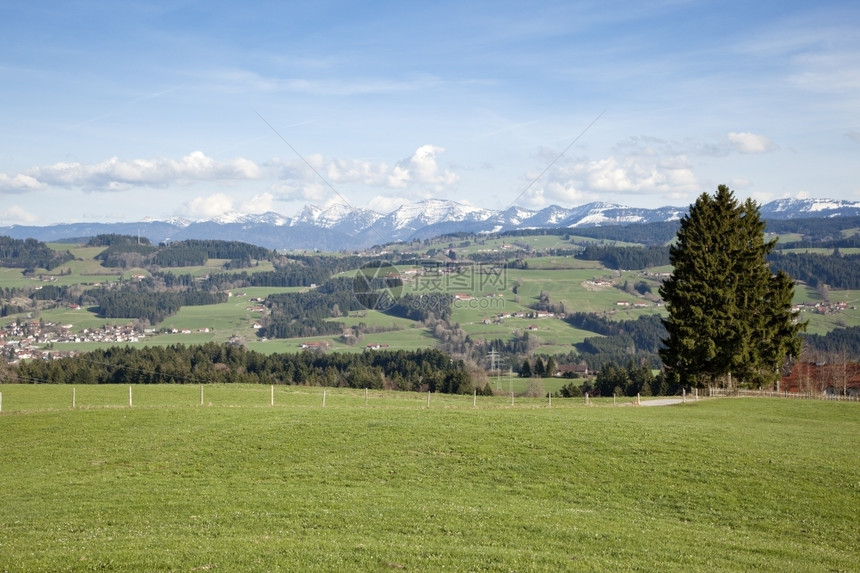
{"x":20,"y":398}
{"x":836,"y":396}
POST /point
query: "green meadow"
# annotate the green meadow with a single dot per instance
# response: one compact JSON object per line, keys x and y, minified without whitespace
{"x":397,"y":483}
{"x":569,"y":281}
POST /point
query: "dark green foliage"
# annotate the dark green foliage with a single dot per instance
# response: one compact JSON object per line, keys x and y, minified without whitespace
{"x":30,"y":254}
{"x":639,"y":339}
{"x":730,"y":318}
{"x":526,"y":369}
{"x":842,"y":341}
{"x":301,"y":271}
{"x":651,"y":234}
{"x":627,"y":381}
{"x":836,"y":271}
{"x":126,"y":255}
{"x":817,"y":232}
{"x":570,"y":390}
{"x":421,"y":307}
{"x":51,"y":292}
{"x":628,"y":258}
{"x":111,"y":240}
{"x":137,"y":301}
{"x":197,"y":252}
{"x":124,"y":251}
{"x":305,"y":314}
{"x":551,"y":367}
{"x":422,"y":370}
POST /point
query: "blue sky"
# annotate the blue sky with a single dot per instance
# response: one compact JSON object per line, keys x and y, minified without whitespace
{"x":120,"y":111}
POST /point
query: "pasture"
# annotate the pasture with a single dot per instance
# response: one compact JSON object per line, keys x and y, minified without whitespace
{"x":239,"y":485}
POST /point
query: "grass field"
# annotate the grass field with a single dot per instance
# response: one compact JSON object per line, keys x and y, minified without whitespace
{"x":716,"y":485}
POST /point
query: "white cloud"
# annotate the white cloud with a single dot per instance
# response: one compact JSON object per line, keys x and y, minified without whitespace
{"x":208,"y":207}
{"x":422,"y":168}
{"x":746,"y":142}
{"x":314,"y":191}
{"x":18,"y":183}
{"x":315,"y":179}
{"x":261,"y":203}
{"x":115,"y":174}
{"x":646,"y":172}
{"x":386,"y":204}
{"x":17,"y":215}
{"x":356,"y":171}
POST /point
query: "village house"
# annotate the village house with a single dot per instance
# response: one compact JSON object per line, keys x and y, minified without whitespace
{"x":571,"y":370}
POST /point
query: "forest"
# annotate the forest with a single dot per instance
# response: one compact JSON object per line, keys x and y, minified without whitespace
{"x":418,"y":370}
{"x":30,"y":254}
{"x":124,"y":251}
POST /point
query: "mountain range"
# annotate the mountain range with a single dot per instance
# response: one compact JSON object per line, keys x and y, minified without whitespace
{"x":341,"y":227}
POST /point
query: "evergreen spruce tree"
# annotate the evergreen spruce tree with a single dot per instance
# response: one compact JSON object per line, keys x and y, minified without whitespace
{"x":539,"y":369}
{"x":551,"y":367}
{"x":526,"y":369}
{"x":730,"y":318}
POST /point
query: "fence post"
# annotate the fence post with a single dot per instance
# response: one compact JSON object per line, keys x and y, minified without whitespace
{"x":684,"y":395}
{"x":73,"y":397}
{"x":129,"y":396}
{"x":428,"y":398}
{"x":586,"y":398}
{"x":272,"y":398}
{"x":550,"y":398}
{"x":638,"y":401}
{"x":475,"y":398}
{"x":323,"y":398}
{"x":613,"y":398}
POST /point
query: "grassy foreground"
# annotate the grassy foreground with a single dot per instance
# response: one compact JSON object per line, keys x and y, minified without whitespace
{"x":717,"y":485}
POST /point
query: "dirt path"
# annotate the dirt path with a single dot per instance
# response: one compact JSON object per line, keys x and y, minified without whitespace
{"x":661,"y":402}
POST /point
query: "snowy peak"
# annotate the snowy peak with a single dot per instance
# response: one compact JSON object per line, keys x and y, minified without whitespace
{"x":794,"y":208}
{"x":342,"y":227}
{"x":434,"y":211}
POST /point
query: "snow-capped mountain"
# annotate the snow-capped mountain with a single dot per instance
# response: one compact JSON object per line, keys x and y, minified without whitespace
{"x":797,"y":208}
{"x":342,"y":227}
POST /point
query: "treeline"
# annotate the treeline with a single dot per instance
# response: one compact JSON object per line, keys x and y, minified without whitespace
{"x":135,"y":301}
{"x":627,"y":258}
{"x":299,"y":271}
{"x":417,"y":370}
{"x":125,"y":251}
{"x":53,"y":292}
{"x":116,"y":240}
{"x":625,"y":340}
{"x":844,"y":342}
{"x":815,"y":230}
{"x":836,"y":271}
{"x":30,"y":254}
{"x":629,"y":380}
{"x":422,"y":307}
{"x":844,"y":243}
{"x":650,"y":234}
{"x":194,"y":252}
{"x":304,"y":314}
{"x":126,"y":255}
